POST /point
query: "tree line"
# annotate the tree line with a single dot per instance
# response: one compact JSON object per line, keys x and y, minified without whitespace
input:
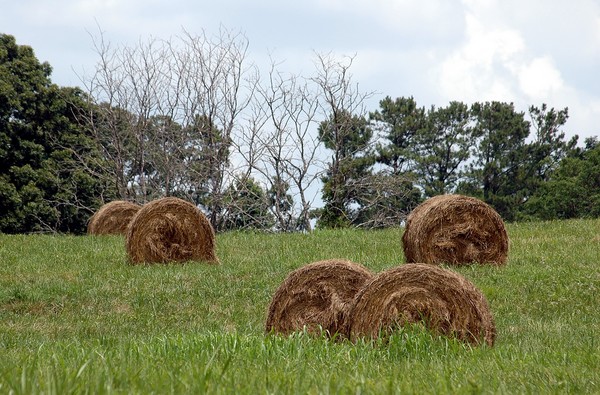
{"x":192,"y":117}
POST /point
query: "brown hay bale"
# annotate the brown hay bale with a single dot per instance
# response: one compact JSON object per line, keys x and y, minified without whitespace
{"x":112,"y":218}
{"x":444,"y":301}
{"x":170,"y":230}
{"x":316,"y":296}
{"x":455,"y":229}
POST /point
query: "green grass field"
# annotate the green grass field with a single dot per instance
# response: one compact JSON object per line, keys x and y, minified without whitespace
{"x":76,"y":318}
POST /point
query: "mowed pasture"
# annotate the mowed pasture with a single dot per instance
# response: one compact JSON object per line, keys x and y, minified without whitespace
{"x":75,"y":317}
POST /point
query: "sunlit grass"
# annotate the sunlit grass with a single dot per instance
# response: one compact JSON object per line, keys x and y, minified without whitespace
{"x":76,"y":318}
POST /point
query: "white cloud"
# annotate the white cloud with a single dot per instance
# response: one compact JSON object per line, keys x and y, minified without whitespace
{"x":409,"y":22}
{"x":503,"y":58}
{"x":481,"y":69}
{"x":529,"y":52}
{"x":539,"y":79}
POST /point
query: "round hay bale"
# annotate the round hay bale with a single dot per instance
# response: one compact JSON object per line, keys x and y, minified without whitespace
{"x":444,"y":301}
{"x":170,"y":230}
{"x":112,"y":218}
{"x":316,"y":297}
{"x":457,"y":230}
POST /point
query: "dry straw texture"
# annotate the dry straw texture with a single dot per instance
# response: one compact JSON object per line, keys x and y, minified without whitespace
{"x":170,"y":230}
{"x":112,"y":218}
{"x":455,"y":229}
{"x":316,"y":296}
{"x":444,"y":301}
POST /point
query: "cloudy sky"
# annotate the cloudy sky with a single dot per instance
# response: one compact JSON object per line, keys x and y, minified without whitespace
{"x":522,"y":51}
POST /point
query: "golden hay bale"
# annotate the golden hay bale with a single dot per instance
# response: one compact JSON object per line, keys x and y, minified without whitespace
{"x":112,"y":218}
{"x":455,"y":229}
{"x":170,"y":230}
{"x":315,"y":297}
{"x":444,"y":301}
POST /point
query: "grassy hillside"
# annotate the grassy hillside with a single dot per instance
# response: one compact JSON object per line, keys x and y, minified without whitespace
{"x":75,"y":317}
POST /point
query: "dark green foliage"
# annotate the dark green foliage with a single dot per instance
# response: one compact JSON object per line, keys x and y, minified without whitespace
{"x":572,"y":191}
{"x":281,"y":202}
{"x":486,"y":151}
{"x":42,"y":187}
{"x":508,"y":170}
{"x":500,"y":154}
{"x":210,"y":153}
{"x":348,"y":136}
{"x":442,"y":147}
{"x":549,"y":146}
{"x":400,"y":121}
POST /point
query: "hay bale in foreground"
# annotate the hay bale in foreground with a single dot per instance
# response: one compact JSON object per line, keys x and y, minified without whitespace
{"x":170,"y":230}
{"x":315,"y":297}
{"x":455,"y":229}
{"x":112,"y":218}
{"x":444,"y":301}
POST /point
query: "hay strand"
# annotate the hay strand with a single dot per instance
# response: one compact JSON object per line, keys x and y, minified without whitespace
{"x":170,"y":230}
{"x":316,"y":297}
{"x":444,"y":301}
{"x":112,"y":218}
{"x":457,"y":230}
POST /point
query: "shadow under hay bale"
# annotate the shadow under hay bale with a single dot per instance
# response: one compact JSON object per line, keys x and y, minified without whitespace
{"x":170,"y":230}
{"x":445,"y":302}
{"x":316,"y":297}
{"x":112,"y":218}
{"x":455,"y":229}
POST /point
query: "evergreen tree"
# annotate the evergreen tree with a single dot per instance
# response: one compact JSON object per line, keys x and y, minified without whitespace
{"x":44,"y":182}
{"x":442,"y":147}
{"x":549,"y":146}
{"x":497,"y":172}
{"x":572,"y":190}
{"x":348,"y":136}
{"x":399,"y":121}
{"x":391,"y":193}
{"x":209,"y":160}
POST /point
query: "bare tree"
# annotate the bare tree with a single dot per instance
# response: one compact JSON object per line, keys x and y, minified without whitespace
{"x":190,"y":117}
{"x":217,"y":86}
{"x":165,"y":112}
{"x":280,"y":145}
{"x":131,"y":117}
{"x":108,"y":118}
{"x":385,"y":199}
{"x":305,"y":165}
{"x":146,"y":68}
